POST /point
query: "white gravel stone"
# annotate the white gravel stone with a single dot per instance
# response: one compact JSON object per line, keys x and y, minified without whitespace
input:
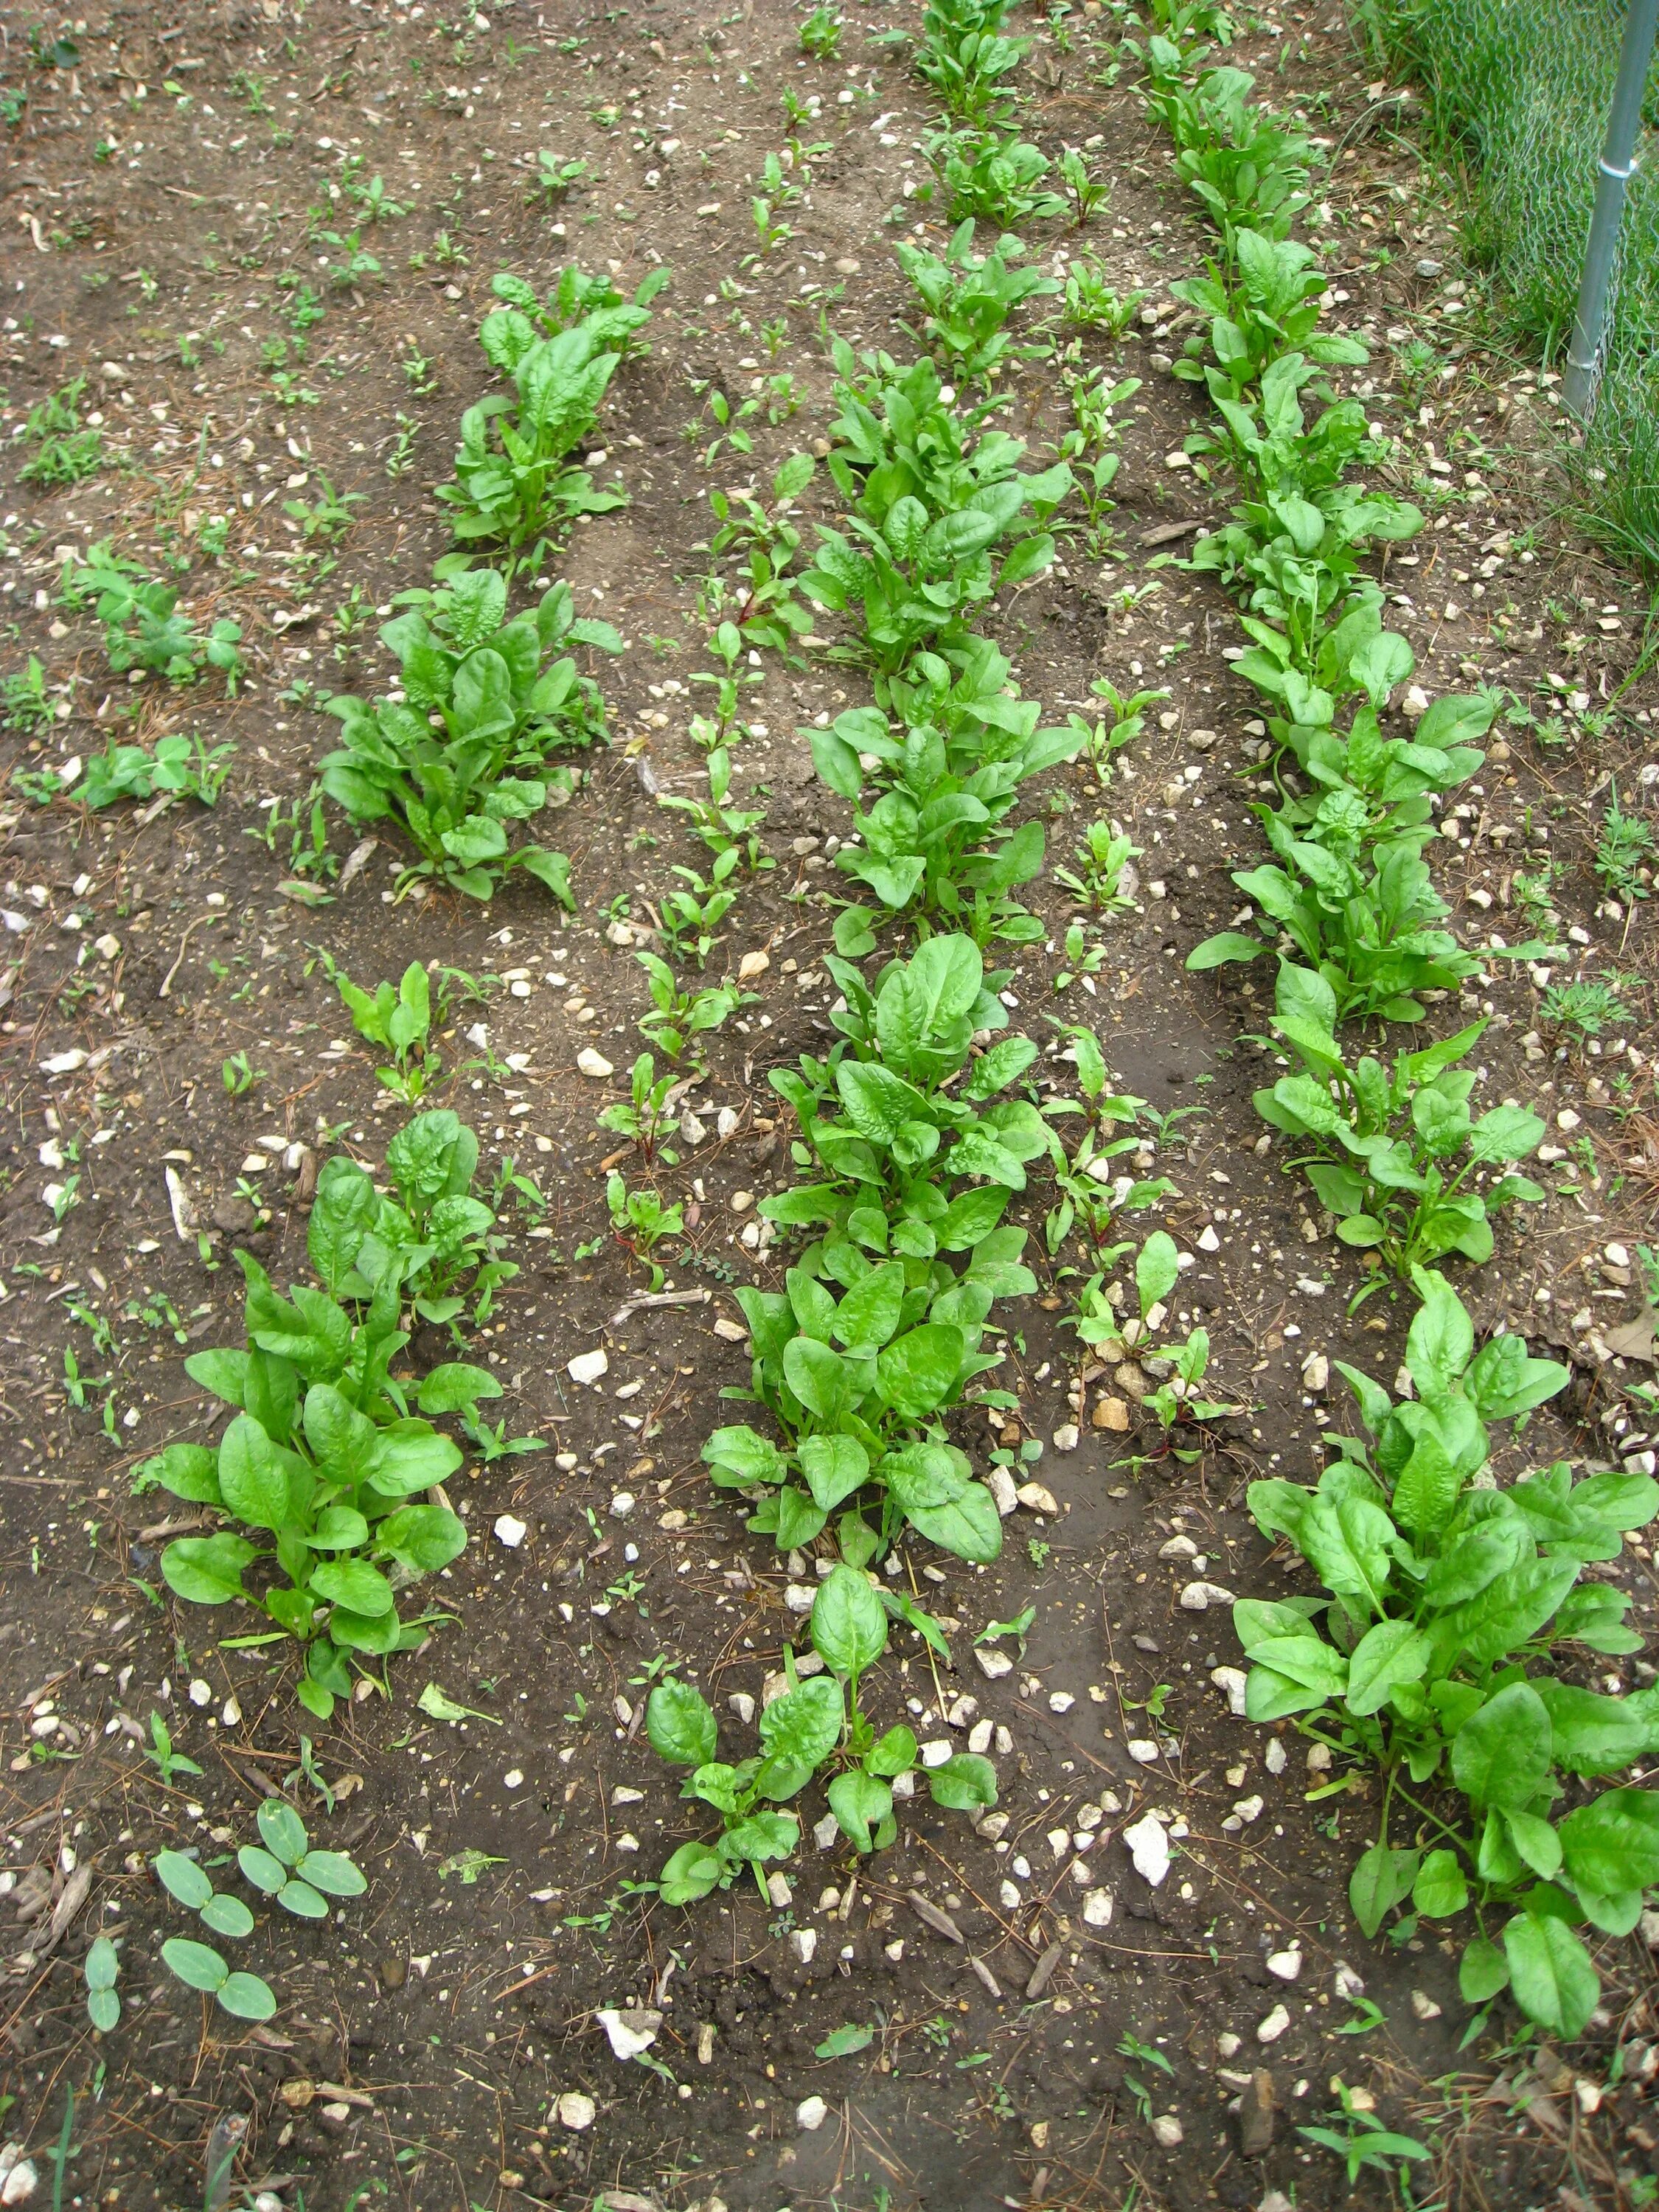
{"x":811,"y":2114}
{"x":1231,"y":1681}
{"x":629,"y":2033}
{"x":1142,"y":1750}
{"x":1423,"y":2006}
{"x":1274,"y":1758}
{"x":993,"y":1664}
{"x":1037,"y":1497}
{"x":1270,"y":2029}
{"x":1285,"y":1965}
{"x":1066,"y":1438}
{"x":575,"y":2111}
{"x":510,"y":1530}
{"x":1198,"y":1597}
{"x":1061,"y":1701}
{"x":1098,"y":1909}
{"x":1166,"y":2130}
{"x":1149,"y":1847}
{"x":593,"y":1064}
{"x":588,"y":1366}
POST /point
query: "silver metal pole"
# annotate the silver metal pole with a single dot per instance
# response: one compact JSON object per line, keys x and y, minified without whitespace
{"x":1615,"y":169}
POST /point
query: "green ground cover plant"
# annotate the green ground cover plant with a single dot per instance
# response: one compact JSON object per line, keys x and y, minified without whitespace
{"x":1443,"y":1603}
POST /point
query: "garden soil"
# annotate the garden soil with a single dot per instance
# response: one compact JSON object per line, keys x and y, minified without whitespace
{"x":438,"y":2043}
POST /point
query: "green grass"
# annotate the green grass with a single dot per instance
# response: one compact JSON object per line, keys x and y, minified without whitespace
{"x":1518,"y":98}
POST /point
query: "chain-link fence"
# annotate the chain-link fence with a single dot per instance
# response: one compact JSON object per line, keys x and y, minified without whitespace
{"x":1523,"y":88}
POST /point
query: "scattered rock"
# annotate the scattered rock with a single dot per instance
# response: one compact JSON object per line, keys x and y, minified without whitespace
{"x":1098,"y":1909}
{"x":593,"y":1064}
{"x":1231,"y":1681}
{"x":1256,"y":2115}
{"x":811,"y":2114}
{"x":1198,"y":1597}
{"x":1149,"y":1847}
{"x":587,"y":1366}
{"x":1042,"y":1972}
{"x":1111,"y":1413}
{"x":1167,"y":2130}
{"x":510,"y":1530}
{"x":941,"y":1923}
{"x":630,"y":2031}
{"x":1035,"y":1498}
{"x":993,"y":1664}
{"x":1270,"y":2029}
{"x":1066,"y":1438}
{"x":1285,"y":1965}
{"x":1423,"y":2006}
{"x":575,"y":2111}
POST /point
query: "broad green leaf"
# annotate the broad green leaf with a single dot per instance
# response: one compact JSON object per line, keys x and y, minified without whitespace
{"x":423,"y":1538}
{"x":916,"y":1373}
{"x":253,"y":1481}
{"x":1501,"y":1756}
{"x":820,"y":1378}
{"x":452,"y":1387}
{"x":332,"y":1872}
{"x":189,"y":1471}
{"x":1388,"y":1654}
{"x":681,"y":1725}
{"x":741,"y":1456}
{"x":964,"y":1782}
{"x":183,"y":1879}
{"x":245,"y":1996}
{"x":1158,"y":1269}
{"x":1441,"y":1340}
{"x":1382,"y":1878}
{"x":354,"y":1585}
{"x":1551,"y":1974}
{"x":1440,"y":1890}
{"x":1482,"y":1972}
{"x":207,"y":1570}
{"x":835,"y":1466}
{"x":283,"y":1830}
{"x":860,"y":1803}
{"x":1612,"y":1844}
{"x":691,"y":1873}
{"x":799,"y":1731}
{"x":849,"y":1623}
{"x":196,"y":1965}
{"x":842,"y":2042}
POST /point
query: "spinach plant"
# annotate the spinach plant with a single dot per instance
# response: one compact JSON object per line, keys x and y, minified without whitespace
{"x":1441,"y":1597}
{"x":144,"y":630}
{"x":1386,"y":1145}
{"x":817,"y":1724}
{"x":932,"y":845}
{"x":320,"y":1461}
{"x":515,"y":480}
{"x":987,"y":178}
{"x":399,"y":1020}
{"x":1267,"y":304}
{"x":429,"y":1233}
{"x":461,"y":750}
{"x":614,"y":323}
{"x":968,"y":298}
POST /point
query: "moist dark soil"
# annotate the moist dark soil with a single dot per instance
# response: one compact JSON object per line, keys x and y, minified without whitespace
{"x":156,"y":244}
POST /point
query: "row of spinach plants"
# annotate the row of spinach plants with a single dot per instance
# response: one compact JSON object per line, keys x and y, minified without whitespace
{"x":1432,"y":1650}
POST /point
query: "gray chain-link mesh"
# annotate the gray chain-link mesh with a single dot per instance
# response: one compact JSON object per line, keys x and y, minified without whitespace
{"x":1526,"y":85}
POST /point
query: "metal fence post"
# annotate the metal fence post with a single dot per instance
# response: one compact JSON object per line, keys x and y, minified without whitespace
{"x":1615,"y":168}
